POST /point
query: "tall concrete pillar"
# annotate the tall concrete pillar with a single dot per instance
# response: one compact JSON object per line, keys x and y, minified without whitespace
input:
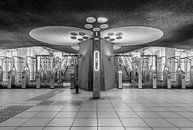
{"x":92,"y":79}
{"x":85,"y":65}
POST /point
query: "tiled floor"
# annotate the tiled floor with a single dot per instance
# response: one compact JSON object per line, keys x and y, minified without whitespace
{"x":127,"y":109}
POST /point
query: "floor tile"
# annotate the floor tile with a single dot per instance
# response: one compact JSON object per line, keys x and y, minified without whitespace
{"x":37,"y":122}
{"x":138,"y":128}
{"x":185,"y":114}
{"x":111,"y":128}
{"x":85,"y":122}
{"x":27,"y":114}
{"x":46,"y":114}
{"x":14,"y":122}
{"x":180,"y":122}
{"x":167,"y":114}
{"x":29,"y":128}
{"x":86,"y":114}
{"x":147,"y":114}
{"x":83,"y":128}
{"x":127,"y":114}
{"x":66,"y":114}
{"x":166,"y":129}
{"x":107,"y":114}
{"x":134,"y":122}
{"x":186,"y":128}
{"x":61,"y":122}
{"x":8,"y":128}
{"x":109,"y":122}
{"x":157,"y":122}
{"x":56,"y":128}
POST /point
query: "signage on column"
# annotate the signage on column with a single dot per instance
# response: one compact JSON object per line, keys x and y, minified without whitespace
{"x":96,"y":61}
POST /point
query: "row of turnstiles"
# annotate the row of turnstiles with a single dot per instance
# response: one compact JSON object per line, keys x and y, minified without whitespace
{"x":152,"y":81}
{"x":40,"y":72}
{"x":45,"y":71}
{"x":172,"y":75}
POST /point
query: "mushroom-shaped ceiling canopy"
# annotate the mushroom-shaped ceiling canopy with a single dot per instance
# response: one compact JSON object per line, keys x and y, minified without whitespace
{"x":60,"y":35}
{"x":132,"y":35}
{"x":71,"y":36}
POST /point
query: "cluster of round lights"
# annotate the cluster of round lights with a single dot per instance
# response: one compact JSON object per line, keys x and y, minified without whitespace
{"x":100,"y":20}
{"x":80,"y":36}
{"x":113,"y":36}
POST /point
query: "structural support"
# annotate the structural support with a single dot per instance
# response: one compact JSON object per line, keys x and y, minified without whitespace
{"x":96,"y":64}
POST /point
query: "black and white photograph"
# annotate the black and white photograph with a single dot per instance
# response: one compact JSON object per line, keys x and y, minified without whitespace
{"x":96,"y":64}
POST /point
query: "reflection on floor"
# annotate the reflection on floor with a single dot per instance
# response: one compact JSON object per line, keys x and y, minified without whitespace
{"x":130,"y":109}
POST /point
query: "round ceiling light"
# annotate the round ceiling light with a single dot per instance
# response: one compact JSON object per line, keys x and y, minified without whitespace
{"x":106,"y":37}
{"x":102,"y":20}
{"x":85,"y":37}
{"x":96,"y":29}
{"x":90,"y":20}
{"x":82,"y":33}
{"x":104,"y":26}
{"x":119,"y":34}
{"x":80,"y":39}
{"x":73,"y":33}
{"x":72,"y":37}
{"x":110,"y":34}
{"x":88,"y":26}
{"x":119,"y":37}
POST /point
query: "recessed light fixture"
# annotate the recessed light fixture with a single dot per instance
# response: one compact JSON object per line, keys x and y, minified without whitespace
{"x":110,"y":34}
{"x":85,"y":37}
{"x":102,"y":20}
{"x":72,"y":37}
{"x":119,"y":34}
{"x":90,"y":19}
{"x":80,"y":39}
{"x":119,"y":37}
{"x":112,"y":39}
{"x":104,"y":26}
{"x":106,"y":37}
{"x":82,"y":33}
{"x":73,"y":33}
{"x":88,"y":26}
{"x":96,"y":29}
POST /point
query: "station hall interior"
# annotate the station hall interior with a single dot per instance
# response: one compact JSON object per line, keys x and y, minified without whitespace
{"x":96,"y":65}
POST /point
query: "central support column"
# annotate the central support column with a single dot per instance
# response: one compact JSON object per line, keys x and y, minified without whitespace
{"x":96,"y":64}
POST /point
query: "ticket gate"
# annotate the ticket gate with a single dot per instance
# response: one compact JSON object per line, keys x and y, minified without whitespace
{"x":5,"y":67}
{"x":12,"y":78}
{"x":190,"y":83}
{"x":148,"y":69}
{"x":2,"y":83}
{"x":43,"y":74}
{"x":139,"y":71}
{"x":15,"y":74}
{"x":162,"y":81}
{"x":175,"y":72}
{"x":44,"y":80}
{"x":186,"y":65}
{"x":26,"y":82}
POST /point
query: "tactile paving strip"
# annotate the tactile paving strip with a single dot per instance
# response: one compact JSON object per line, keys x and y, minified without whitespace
{"x":12,"y":111}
